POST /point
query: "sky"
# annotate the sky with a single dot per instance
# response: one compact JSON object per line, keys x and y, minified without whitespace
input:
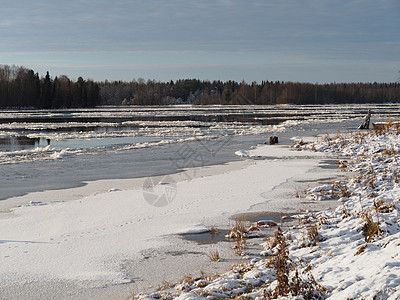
{"x":313,"y":41}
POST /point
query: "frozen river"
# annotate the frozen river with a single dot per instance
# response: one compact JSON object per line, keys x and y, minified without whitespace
{"x":87,"y":236}
{"x":41,"y":150}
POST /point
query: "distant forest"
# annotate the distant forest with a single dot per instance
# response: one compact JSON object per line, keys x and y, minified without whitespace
{"x":21,"y":87}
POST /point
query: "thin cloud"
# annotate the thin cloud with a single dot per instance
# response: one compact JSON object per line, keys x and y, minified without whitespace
{"x":159,"y":31}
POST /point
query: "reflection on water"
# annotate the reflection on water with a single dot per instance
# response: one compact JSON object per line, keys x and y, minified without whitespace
{"x":16,"y":143}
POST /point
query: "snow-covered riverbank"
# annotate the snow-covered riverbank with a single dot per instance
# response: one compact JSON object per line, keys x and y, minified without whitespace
{"x":97,"y":241}
{"x":106,"y":240}
{"x":352,"y":252}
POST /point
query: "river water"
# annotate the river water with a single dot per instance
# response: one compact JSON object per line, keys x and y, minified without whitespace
{"x":42,"y":150}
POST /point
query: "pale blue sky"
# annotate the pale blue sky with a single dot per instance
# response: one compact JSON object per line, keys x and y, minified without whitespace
{"x":292,"y":40}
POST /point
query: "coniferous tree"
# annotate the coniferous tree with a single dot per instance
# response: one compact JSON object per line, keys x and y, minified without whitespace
{"x":46,"y":89}
{"x":20,"y":87}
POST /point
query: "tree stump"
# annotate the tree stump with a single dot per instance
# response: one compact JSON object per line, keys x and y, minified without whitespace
{"x":273,"y":140}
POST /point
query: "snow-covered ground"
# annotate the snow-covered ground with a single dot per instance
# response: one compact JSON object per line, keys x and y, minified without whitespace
{"x":352,"y":252}
{"x":79,"y":243}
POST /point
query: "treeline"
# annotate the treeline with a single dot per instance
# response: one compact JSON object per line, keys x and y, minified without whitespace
{"x":198,"y":92}
{"x":21,"y":87}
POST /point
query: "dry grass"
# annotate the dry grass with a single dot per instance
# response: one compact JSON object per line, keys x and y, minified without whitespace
{"x":239,"y":233}
{"x":302,"y":193}
{"x":188,"y":279}
{"x":341,"y":164}
{"x":272,"y":242}
{"x":165,"y":285}
{"x":240,"y":245}
{"x":298,"y":145}
{"x":240,"y":225}
{"x":281,"y":262}
{"x":313,"y":235}
{"x":301,"y":284}
{"x":371,"y":183}
{"x":389,"y":152}
{"x":338,"y":135}
{"x":132,"y":295}
{"x":359,"y":137}
{"x":390,"y":125}
{"x":382,"y":206}
{"x":214,"y":232}
{"x":360,"y":250}
{"x":214,"y":255}
{"x":370,"y":228}
{"x":345,"y":212}
{"x":306,"y":288}
{"x":396,"y":178}
{"x":242,"y":268}
{"x":339,"y":190}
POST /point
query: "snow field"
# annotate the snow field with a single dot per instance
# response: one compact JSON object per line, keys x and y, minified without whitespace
{"x":87,"y":240}
{"x":352,"y":252}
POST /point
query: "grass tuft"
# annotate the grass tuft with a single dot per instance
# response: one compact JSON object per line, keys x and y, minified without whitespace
{"x":370,"y":228}
{"x":165,"y":285}
{"x":188,"y":279}
{"x":313,"y":235}
{"x":239,"y":234}
{"x":214,"y":255}
{"x":360,"y":250}
{"x":382,"y":206}
{"x":300,"y":284}
{"x":240,"y":245}
{"x":214,"y":232}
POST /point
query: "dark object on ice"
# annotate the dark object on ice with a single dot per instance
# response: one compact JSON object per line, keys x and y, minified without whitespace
{"x":273,"y":140}
{"x":365,"y":124}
